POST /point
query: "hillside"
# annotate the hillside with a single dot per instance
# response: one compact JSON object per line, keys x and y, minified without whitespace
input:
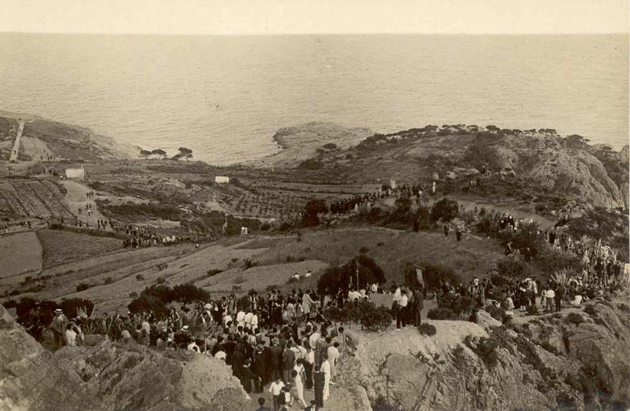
{"x":540,"y":164}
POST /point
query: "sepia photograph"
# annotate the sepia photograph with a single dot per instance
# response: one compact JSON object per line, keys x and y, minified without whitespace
{"x":314,"y":205}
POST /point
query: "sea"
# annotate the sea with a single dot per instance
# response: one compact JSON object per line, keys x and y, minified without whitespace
{"x":224,"y":97}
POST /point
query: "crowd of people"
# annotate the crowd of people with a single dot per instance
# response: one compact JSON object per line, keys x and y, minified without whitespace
{"x":278,"y":341}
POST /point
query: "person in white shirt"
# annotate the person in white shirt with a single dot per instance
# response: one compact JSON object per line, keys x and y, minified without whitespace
{"x":402,"y":310}
{"x":551,"y":295}
{"x":248,"y":320}
{"x":312,"y":340}
{"x":254,"y":321}
{"x":333,"y":356}
{"x":71,"y":336}
{"x":240,"y":319}
{"x":227,"y":319}
{"x":275,"y":389}
{"x":220,"y":355}
{"x":577,"y":301}
{"x":326,"y":370}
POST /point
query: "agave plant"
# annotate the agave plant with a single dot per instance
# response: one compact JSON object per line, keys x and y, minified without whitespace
{"x":561,"y":277}
{"x":587,"y":242}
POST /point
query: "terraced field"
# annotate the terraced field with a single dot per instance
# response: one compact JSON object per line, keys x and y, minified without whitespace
{"x":34,"y":198}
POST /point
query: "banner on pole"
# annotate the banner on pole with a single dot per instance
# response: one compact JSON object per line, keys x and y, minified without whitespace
{"x":420,"y":274}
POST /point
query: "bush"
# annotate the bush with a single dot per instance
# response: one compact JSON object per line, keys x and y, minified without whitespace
{"x":459,"y":305}
{"x":496,"y":312}
{"x":248,"y":263}
{"x":83,"y":286}
{"x":590,"y":310}
{"x":532,"y":310}
{"x":108,"y":280}
{"x":149,"y":304}
{"x":340,"y":278}
{"x":485,"y":348}
{"x":445,"y":210}
{"x":427,"y":329}
{"x":239,"y":280}
{"x":72,"y":306}
{"x":139,"y":277}
{"x":574,"y":318}
{"x":511,"y":268}
{"x":434,"y":273}
{"x":213,"y":272}
{"x":442,"y":314}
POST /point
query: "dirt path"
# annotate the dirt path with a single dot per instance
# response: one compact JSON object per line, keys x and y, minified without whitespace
{"x":16,"y":146}
{"x":77,"y":199}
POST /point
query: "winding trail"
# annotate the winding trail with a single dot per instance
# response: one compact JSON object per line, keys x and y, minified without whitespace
{"x":16,"y":145}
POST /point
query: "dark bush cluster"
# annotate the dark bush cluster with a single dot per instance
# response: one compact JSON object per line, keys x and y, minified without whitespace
{"x":364,"y":312}
{"x":154,"y":298}
{"x":342,"y":278}
{"x":485,"y":348}
{"x":427,"y":329}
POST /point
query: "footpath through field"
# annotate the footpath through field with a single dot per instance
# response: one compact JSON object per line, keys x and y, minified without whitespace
{"x":77,"y":200}
{"x":16,"y":145}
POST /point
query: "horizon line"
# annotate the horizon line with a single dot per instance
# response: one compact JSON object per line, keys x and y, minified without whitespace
{"x":319,"y":34}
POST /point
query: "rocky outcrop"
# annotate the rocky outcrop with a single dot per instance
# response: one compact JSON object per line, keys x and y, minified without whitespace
{"x":301,"y":142}
{"x":135,"y":377}
{"x":550,"y":362}
{"x":31,"y":378}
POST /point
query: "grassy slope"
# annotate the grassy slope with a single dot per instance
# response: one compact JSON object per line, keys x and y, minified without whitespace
{"x":61,"y":246}
{"x":472,"y":256}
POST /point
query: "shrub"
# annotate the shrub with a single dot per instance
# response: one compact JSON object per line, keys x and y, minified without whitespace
{"x":133,"y":294}
{"x":442,"y":314}
{"x":590,"y":310}
{"x":83,"y":286}
{"x":496,"y":312}
{"x":434,"y":273}
{"x":239,"y":280}
{"x":147,"y":303}
{"x":161,"y":280}
{"x":460,"y":305}
{"x":445,"y":210}
{"x":532,"y":310}
{"x":213,"y":272}
{"x":108,"y":280}
{"x":511,"y":268}
{"x":485,"y":348}
{"x":265,"y":227}
{"x":374,"y":318}
{"x":340,"y":278}
{"x":459,"y":358}
{"x":72,"y":306}
{"x":427,"y":329}
{"x":139,"y":277}
{"x":574,"y":318}
{"x":248,"y":263}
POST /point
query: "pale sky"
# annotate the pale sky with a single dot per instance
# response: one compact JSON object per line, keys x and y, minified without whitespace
{"x":314,"y":17}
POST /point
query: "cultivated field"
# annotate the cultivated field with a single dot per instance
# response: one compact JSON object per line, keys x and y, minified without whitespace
{"x":61,"y":246}
{"x":34,"y":198}
{"x":19,"y":253}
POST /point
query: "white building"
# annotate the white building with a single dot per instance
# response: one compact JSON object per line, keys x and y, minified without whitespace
{"x":75,"y":173}
{"x":221,"y":179}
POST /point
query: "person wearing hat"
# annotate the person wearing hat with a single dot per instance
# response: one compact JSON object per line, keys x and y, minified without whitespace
{"x":58,"y":327}
{"x":275,"y":359}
